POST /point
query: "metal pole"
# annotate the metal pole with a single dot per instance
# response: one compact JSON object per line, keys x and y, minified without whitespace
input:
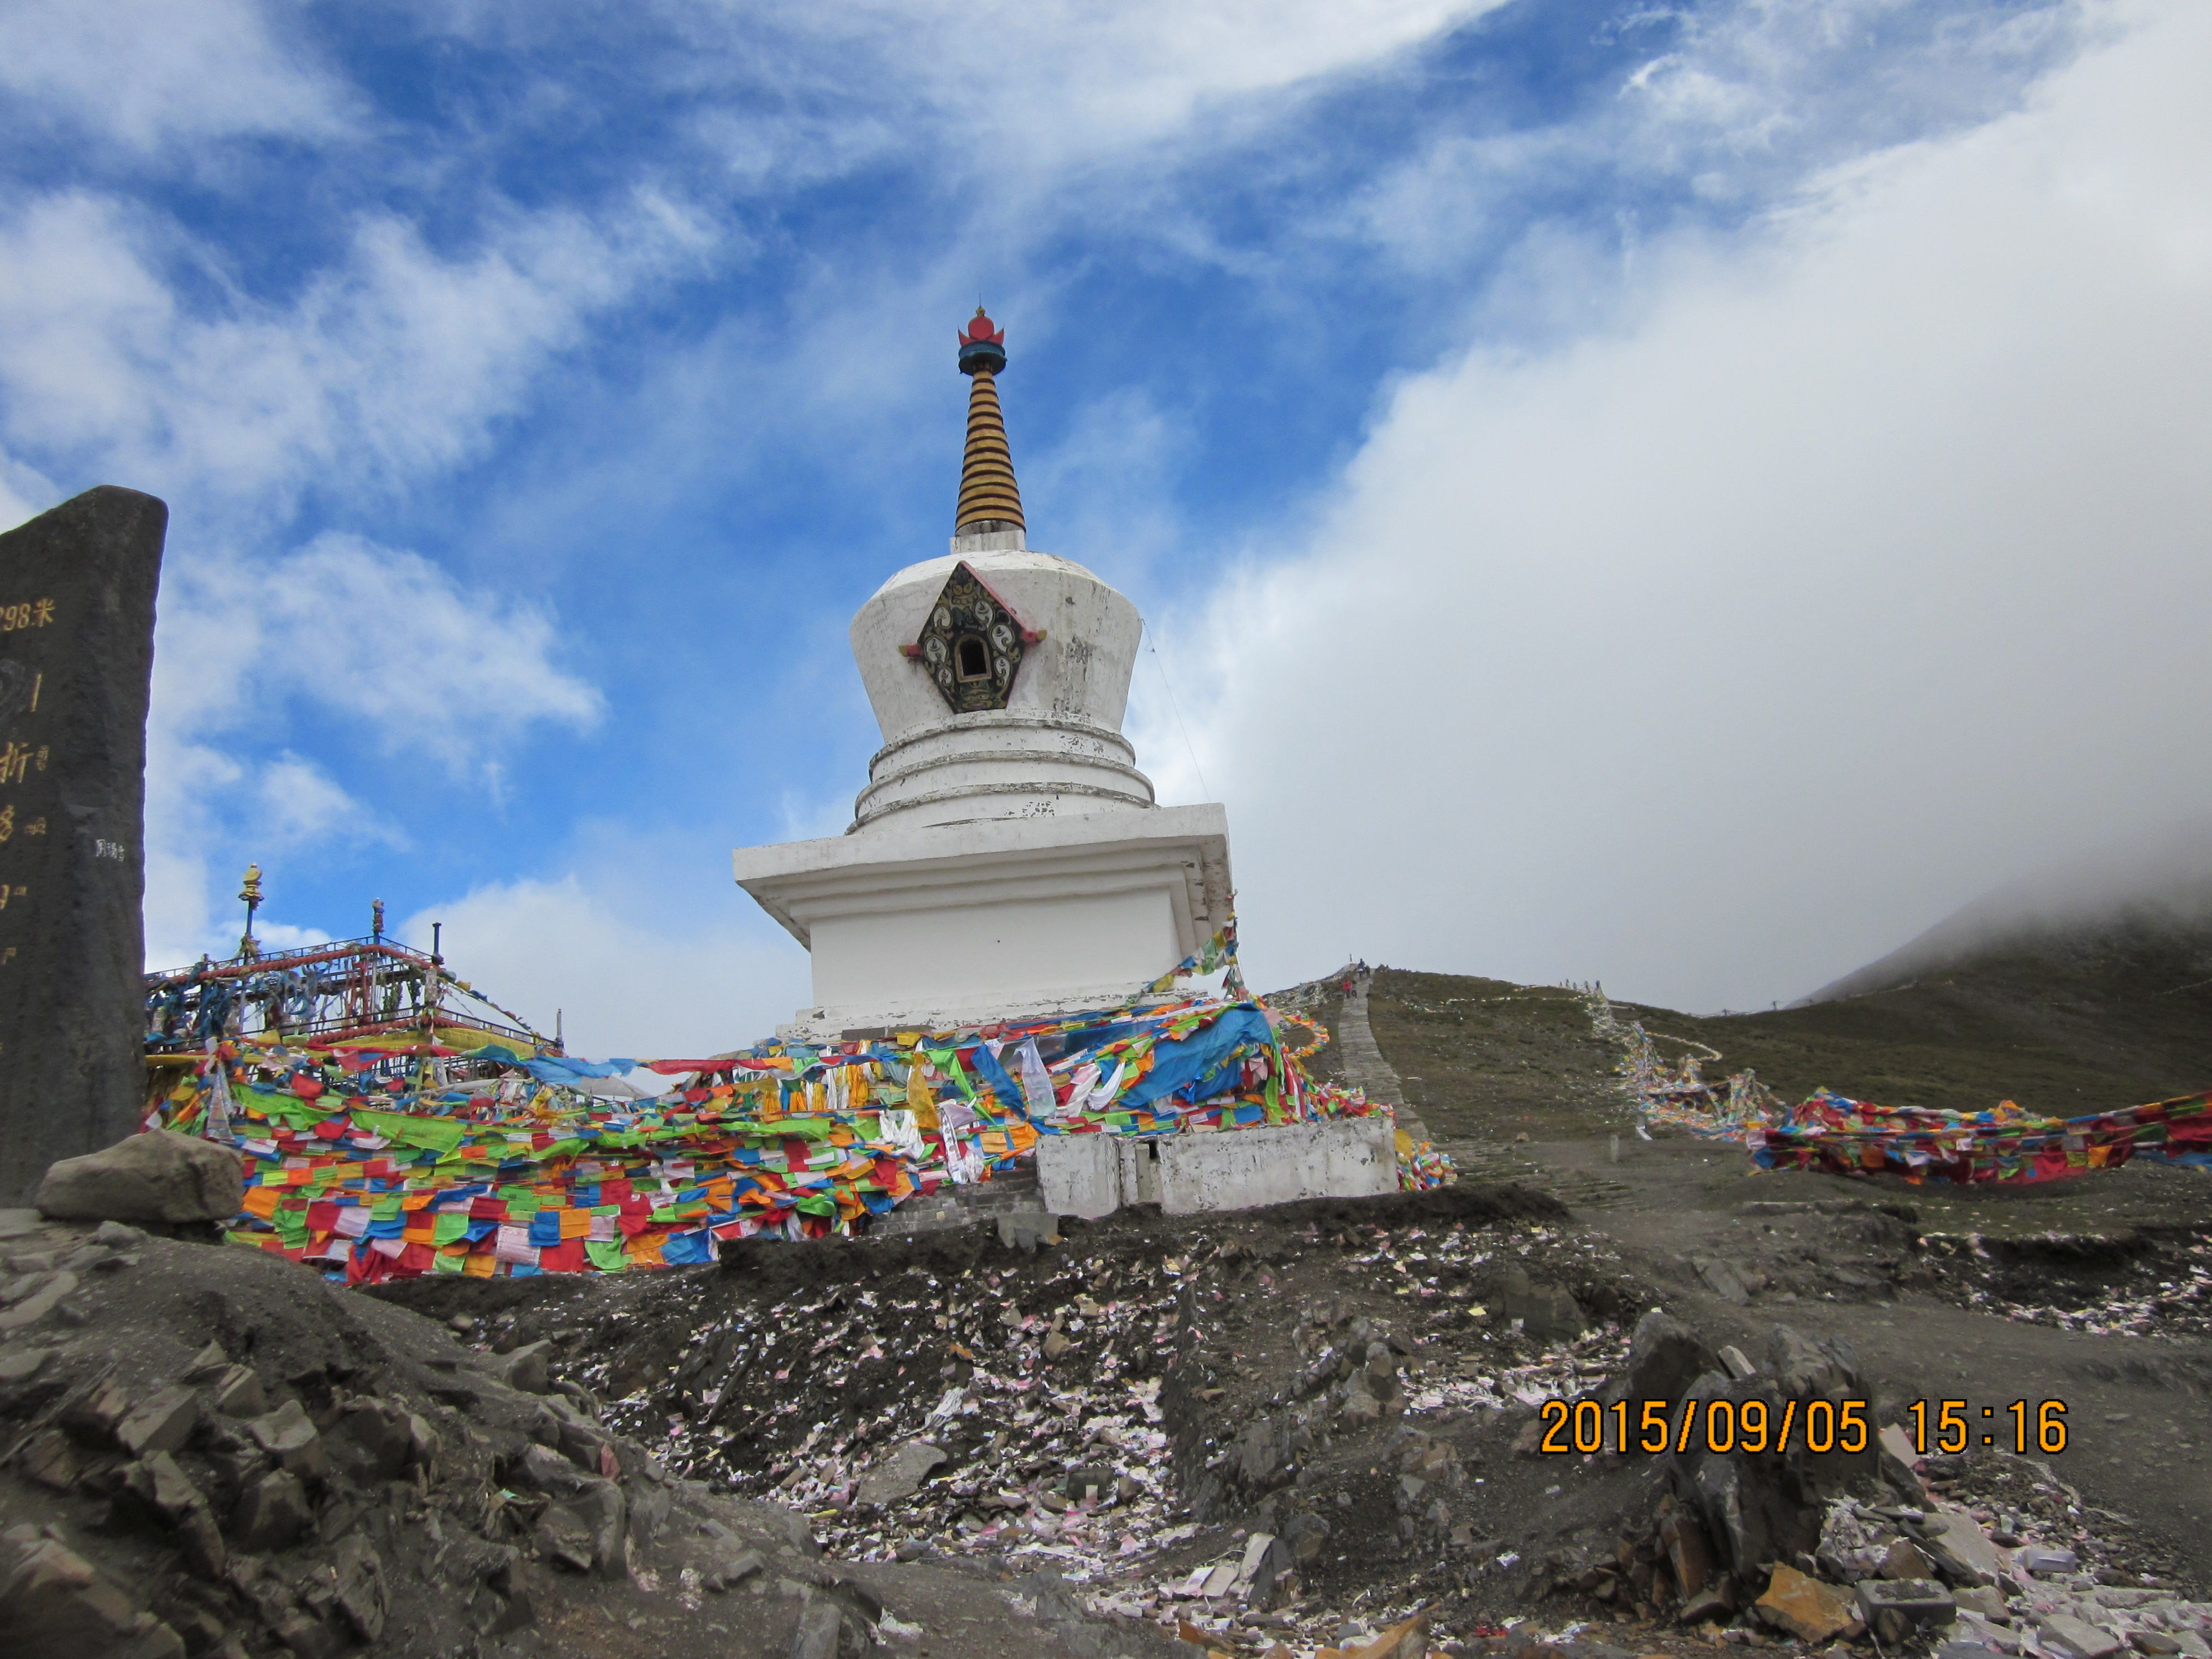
{"x":430,"y":1001}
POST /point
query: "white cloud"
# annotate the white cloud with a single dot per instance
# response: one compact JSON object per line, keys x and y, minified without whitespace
{"x":1107,"y":489}
{"x":630,"y":985}
{"x":391,"y":364}
{"x":1856,"y":566}
{"x":1019,"y":87}
{"x":1748,"y":101}
{"x":419,"y":663}
{"x":25,"y":492}
{"x":147,"y":73}
{"x":1112,"y":73}
{"x":413,"y":661}
{"x":297,"y":804}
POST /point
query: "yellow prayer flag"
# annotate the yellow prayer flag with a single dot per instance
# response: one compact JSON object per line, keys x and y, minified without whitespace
{"x":919,"y":1100}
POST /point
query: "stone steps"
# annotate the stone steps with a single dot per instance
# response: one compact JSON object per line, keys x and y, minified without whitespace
{"x":1363,"y":1064}
{"x":953,"y":1207}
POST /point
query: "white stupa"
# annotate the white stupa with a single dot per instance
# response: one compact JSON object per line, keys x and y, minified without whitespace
{"x":1007,"y":858}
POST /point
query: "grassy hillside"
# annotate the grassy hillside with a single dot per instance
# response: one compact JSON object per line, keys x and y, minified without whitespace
{"x":2064,"y":1019}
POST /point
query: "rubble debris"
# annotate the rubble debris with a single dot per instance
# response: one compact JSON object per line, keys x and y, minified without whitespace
{"x":2130,"y":1285}
{"x":53,"y":1601}
{"x":1803,"y":1607}
{"x":900,"y":1476}
{"x":1895,"y":1608}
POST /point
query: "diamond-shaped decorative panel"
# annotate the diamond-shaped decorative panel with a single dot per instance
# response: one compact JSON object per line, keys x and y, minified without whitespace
{"x":971,"y":646}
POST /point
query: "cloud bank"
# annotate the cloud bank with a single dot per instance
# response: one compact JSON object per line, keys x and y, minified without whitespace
{"x":1851,"y":566}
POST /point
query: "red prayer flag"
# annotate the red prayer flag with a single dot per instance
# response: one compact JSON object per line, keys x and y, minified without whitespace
{"x":566,"y":1257}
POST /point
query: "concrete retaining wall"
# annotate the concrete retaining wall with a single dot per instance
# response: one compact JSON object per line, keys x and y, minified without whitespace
{"x":1230,"y":1169}
{"x":1079,"y":1175}
{"x":1239,"y":1169}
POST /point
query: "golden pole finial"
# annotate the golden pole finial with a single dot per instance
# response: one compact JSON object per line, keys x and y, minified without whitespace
{"x":989,"y":497}
{"x":250,"y":891}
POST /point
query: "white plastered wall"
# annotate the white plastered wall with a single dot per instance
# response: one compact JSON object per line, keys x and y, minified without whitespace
{"x":979,"y":953}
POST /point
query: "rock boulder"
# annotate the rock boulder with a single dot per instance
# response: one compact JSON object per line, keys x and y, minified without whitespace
{"x":156,"y":1176}
{"x":1665,"y":1357}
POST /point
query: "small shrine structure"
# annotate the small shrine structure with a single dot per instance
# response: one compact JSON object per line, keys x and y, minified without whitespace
{"x":1006,"y":859}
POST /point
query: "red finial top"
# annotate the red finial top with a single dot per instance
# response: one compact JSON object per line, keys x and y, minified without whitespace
{"x":979,"y":332}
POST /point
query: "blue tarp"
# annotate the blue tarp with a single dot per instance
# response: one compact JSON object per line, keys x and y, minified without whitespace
{"x":1175,"y":1064}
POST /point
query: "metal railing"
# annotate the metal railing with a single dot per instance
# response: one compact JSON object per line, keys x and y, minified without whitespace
{"x":358,"y":987}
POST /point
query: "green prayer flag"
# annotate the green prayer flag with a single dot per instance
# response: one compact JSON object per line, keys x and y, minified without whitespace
{"x":606,"y":1255}
{"x":438,"y":1135}
{"x":947,"y":1060}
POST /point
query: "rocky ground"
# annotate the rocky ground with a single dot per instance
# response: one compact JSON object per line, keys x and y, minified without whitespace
{"x":1282,"y":1433}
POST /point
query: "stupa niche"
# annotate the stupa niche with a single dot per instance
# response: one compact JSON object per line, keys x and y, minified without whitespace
{"x":1007,"y":857}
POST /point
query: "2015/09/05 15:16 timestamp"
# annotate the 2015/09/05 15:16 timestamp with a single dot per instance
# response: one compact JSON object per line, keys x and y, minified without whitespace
{"x":1816,"y":1425}
{"x":1950,"y":1426}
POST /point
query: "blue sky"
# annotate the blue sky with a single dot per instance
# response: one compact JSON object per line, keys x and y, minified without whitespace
{"x":1566,"y":452}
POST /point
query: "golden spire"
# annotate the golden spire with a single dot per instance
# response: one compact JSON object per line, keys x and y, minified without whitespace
{"x":989,"y":497}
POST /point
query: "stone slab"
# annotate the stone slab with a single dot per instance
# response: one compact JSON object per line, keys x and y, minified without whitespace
{"x":1961,"y":1552}
{"x":1920,"y":1601}
{"x":2077,"y":1638}
{"x":77,"y":656}
{"x":157,"y":1175}
{"x":1079,"y":1175}
{"x":901,"y":1474}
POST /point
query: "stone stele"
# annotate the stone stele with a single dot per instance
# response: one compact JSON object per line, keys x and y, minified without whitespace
{"x":76,"y":660}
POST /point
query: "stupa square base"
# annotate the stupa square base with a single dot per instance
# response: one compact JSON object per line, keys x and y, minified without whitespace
{"x":967,"y":923}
